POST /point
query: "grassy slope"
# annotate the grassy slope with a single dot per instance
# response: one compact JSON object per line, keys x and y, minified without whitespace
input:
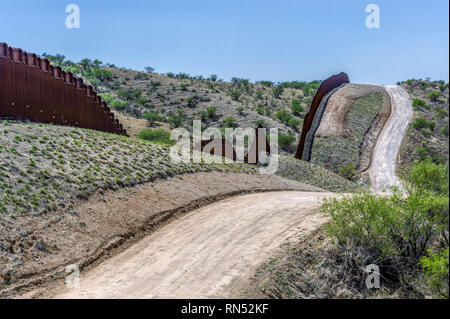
{"x":421,"y":143}
{"x":305,"y":172}
{"x":335,"y":152}
{"x":43,"y":166}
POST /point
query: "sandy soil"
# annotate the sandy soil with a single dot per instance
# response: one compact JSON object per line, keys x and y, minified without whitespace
{"x":208,"y":253}
{"x":91,"y":231}
{"x":383,"y":167}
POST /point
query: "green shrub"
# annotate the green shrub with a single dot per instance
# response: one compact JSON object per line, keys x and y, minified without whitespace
{"x":277,"y":91}
{"x":235,"y":95}
{"x":143,"y":101}
{"x":266,"y":83}
{"x":441,"y":113}
{"x":106,"y":97}
{"x":211,"y":112}
{"x":192,"y":101}
{"x":129,"y":94}
{"x":240,"y":110}
{"x":421,"y":123}
{"x":230,"y":121}
{"x":434,"y":95}
{"x":153,"y":117}
{"x":184,"y":86}
{"x":294,"y":123}
{"x":158,"y":136}
{"x":118,"y":105}
{"x":418,"y":104}
{"x":430,"y":177}
{"x":285,"y":141}
{"x":403,"y":225}
{"x":177,"y":119}
{"x":260,"y":123}
{"x":296,"y":106}
{"x":436,"y":268}
{"x":284,"y":116}
{"x":422,"y":152}
{"x":260,"y":110}
{"x":347,"y":171}
{"x":213,"y":77}
{"x":103,"y":74}
{"x":444,"y":130}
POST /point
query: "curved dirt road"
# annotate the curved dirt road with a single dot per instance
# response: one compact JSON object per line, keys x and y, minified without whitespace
{"x":382,"y":171}
{"x":207,"y":253}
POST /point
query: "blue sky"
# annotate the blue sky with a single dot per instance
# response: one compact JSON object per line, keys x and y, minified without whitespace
{"x":280,"y":40}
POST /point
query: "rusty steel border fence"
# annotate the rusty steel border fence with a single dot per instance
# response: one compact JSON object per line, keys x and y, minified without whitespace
{"x":34,"y":90}
{"x":327,"y":86}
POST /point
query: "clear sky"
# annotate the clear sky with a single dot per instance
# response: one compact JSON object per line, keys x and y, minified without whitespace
{"x":278,"y":40}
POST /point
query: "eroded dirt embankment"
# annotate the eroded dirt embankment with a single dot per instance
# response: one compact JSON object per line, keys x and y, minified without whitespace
{"x":40,"y":247}
{"x":352,"y":121}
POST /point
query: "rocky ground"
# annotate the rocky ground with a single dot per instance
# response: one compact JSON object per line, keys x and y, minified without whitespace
{"x":427,"y":135}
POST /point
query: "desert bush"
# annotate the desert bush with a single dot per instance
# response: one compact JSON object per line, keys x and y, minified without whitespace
{"x":156,"y":136}
{"x":177,"y":119}
{"x":153,"y":117}
{"x":284,"y":116}
{"x":240,"y":82}
{"x":441,"y":113}
{"x":86,"y":63}
{"x":129,"y":94}
{"x":430,"y":177}
{"x":192,"y":101}
{"x":240,"y":110}
{"x":418,"y":104}
{"x":434,"y":95}
{"x":443,"y":87}
{"x":184,"y":87}
{"x":211,"y":112}
{"x":435,"y":266}
{"x":285,"y":141}
{"x":277,"y":91}
{"x":294,"y":123}
{"x":143,"y":101}
{"x":118,"y":104}
{"x":230,"y":121}
{"x":347,"y":171}
{"x":106,"y":97}
{"x":260,"y":123}
{"x":421,"y":123}
{"x":149,"y":69}
{"x":266,"y":83}
{"x":296,"y":106}
{"x":395,"y":232}
{"x":213,"y":78}
{"x":103,"y":74}
{"x":235,"y":95}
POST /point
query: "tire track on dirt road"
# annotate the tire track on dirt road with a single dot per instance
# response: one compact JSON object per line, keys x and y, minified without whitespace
{"x":208,"y":253}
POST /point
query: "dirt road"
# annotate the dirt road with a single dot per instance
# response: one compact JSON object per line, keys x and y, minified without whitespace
{"x":383,"y":169}
{"x":207,"y":253}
